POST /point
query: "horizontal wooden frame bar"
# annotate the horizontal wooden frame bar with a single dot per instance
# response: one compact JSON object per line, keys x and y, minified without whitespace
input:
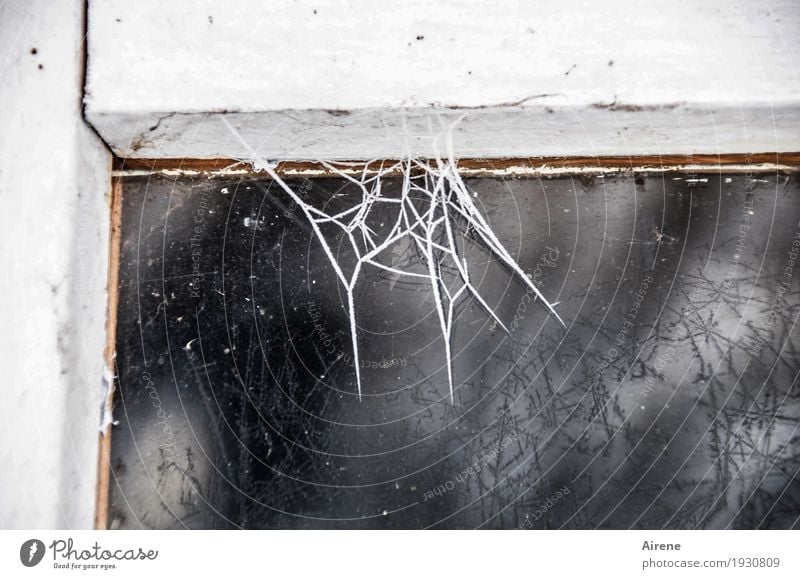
{"x":532,"y":167}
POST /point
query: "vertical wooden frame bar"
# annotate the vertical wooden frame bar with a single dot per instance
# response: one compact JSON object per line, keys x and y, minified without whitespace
{"x":104,"y":446}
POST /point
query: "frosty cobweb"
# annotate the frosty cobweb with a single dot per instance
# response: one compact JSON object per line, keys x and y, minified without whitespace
{"x":435,"y":213}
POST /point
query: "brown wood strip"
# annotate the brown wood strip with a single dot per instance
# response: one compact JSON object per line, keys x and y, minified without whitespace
{"x":714,"y":162}
{"x":104,"y":448}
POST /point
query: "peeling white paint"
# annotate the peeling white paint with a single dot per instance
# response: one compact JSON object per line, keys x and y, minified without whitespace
{"x":360,"y":80}
{"x":107,"y":405}
{"x":54,"y":223}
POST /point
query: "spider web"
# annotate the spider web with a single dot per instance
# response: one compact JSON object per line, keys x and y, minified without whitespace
{"x":436,"y":214}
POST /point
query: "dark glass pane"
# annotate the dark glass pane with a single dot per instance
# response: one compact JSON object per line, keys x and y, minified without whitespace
{"x":671,"y":399}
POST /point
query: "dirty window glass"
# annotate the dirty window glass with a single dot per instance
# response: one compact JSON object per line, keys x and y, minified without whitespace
{"x":669,"y":400}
